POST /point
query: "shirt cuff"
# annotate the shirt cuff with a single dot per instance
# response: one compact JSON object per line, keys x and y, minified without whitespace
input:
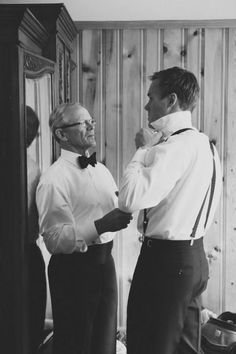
{"x":140,"y":154}
{"x":80,"y":246}
{"x":89,"y":233}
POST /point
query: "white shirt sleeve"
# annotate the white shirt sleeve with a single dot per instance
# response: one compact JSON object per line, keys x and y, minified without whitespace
{"x":151,"y":175}
{"x":57,"y":224}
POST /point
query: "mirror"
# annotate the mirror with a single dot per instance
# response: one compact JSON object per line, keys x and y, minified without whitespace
{"x":38,"y":103}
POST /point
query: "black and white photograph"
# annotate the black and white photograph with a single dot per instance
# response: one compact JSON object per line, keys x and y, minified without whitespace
{"x":118,"y":177}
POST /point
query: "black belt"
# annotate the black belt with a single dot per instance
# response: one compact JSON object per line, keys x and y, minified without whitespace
{"x":96,"y":254}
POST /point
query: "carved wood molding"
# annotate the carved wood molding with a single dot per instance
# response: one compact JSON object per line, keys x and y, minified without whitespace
{"x":56,"y":19}
{"x":16,"y":20}
{"x":35,"y":66}
{"x":73,"y":65}
{"x":61,"y":77}
{"x":66,"y":25}
{"x":149,"y":24}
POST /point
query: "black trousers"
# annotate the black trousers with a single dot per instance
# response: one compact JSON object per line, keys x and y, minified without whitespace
{"x":37,"y":296}
{"x":164,"y":301}
{"x":84,"y":301}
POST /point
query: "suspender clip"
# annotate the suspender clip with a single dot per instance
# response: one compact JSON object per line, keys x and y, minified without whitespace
{"x":191,"y":242}
{"x":141,"y":238}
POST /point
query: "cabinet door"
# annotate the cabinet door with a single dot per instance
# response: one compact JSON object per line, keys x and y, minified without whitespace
{"x":38,"y":95}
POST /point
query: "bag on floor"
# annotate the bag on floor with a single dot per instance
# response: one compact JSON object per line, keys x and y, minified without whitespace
{"x":219,"y":334}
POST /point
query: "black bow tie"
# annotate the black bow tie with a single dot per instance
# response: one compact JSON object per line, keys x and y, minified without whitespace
{"x":85,"y":161}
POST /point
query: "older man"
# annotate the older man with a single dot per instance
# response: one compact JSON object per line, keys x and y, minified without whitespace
{"x":172,"y":182}
{"x":77,"y":201}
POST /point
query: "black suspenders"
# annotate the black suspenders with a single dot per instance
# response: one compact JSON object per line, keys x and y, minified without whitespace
{"x":211,"y":187}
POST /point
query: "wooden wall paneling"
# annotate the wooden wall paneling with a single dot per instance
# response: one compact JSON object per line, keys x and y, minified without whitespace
{"x":173,"y":46}
{"x":131,"y":97}
{"x":113,"y":137}
{"x":129,"y":56}
{"x":213,"y":127}
{"x":152,"y":47}
{"x":113,"y":105}
{"x":193,"y":54}
{"x":132,"y":117}
{"x":80,"y":73}
{"x":152,"y":51}
{"x":230,"y":177}
{"x":88,"y":71}
{"x":213,"y":75}
{"x":93,"y":83}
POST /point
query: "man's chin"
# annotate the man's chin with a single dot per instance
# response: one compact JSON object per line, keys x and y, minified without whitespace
{"x":93,"y":143}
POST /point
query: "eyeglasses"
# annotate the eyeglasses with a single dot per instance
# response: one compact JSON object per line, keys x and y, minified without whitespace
{"x":83,"y":124}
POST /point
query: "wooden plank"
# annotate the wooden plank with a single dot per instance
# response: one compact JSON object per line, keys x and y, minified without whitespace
{"x":152,"y":63}
{"x":172,"y":48}
{"x":152,"y":51}
{"x":132,"y":117}
{"x":92,"y":76}
{"x":193,"y":45}
{"x":112,"y":58}
{"x":131,"y":88}
{"x":213,"y":125}
{"x":112,"y":99}
{"x":230,"y":175}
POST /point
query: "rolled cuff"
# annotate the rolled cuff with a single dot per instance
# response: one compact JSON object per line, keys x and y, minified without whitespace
{"x":88,"y":233}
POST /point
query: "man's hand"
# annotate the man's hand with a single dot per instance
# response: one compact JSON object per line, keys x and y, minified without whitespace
{"x":115,"y":220}
{"x":147,"y":138}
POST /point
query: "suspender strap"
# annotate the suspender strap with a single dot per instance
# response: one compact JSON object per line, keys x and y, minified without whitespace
{"x":199,"y":216}
{"x":181,"y":131}
{"x":212,"y":185}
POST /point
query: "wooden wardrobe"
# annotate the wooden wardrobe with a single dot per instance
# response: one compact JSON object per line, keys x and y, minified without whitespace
{"x":37,"y":67}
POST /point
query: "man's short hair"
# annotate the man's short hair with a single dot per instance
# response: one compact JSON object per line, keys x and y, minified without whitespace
{"x":57,"y":116}
{"x":181,"y":82}
{"x":32,"y":125}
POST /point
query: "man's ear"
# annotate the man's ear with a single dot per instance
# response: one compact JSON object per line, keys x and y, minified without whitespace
{"x":60,"y":134}
{"x":172,"y":100}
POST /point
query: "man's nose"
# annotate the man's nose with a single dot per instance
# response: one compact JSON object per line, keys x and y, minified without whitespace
{"x":146,"y":107}
{"x":90,"y":125}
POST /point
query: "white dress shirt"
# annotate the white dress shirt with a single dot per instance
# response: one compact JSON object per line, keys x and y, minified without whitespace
{"x":70,"y":199}
{"x":170,"y":179}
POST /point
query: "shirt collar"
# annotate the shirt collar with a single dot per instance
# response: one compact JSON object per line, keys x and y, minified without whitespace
{"x":172,"y":122}
{"x":70,"y":156}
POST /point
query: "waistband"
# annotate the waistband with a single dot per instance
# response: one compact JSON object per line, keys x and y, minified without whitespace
{"x":154,"y":243}
{"x":96,"y":254}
